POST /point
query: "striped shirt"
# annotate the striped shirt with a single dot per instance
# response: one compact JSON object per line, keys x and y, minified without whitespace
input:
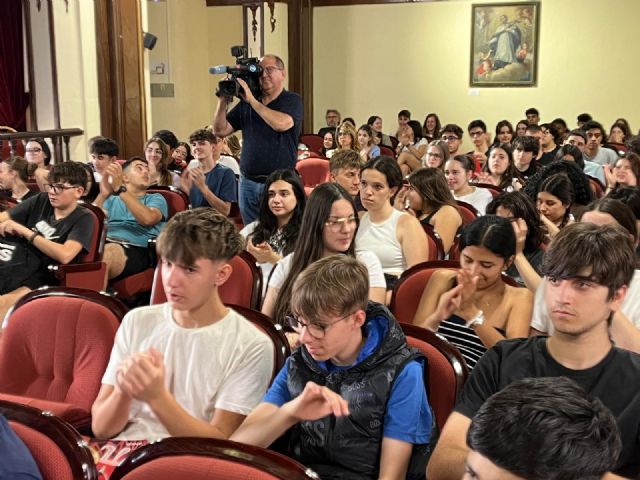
{"x":463,"y":338}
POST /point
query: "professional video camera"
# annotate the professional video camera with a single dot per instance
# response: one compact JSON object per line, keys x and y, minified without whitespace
{"x":248,"y":69}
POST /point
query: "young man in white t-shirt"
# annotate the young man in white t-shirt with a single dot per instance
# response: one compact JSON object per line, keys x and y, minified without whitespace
{"x":191,"y":366}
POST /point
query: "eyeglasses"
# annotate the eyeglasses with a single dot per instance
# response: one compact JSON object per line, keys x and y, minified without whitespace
{"x":336,"y":225}
{"x":449,"y":138}
{"x":269,"y":70}
{"x":342,"y":134}
{"x":58,"y":188}
{"x":436,"y":155}
{"x":33,"y":150}
{"x":316,"y":330}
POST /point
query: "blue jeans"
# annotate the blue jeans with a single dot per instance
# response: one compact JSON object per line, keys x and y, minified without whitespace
{"x":249,"y":196}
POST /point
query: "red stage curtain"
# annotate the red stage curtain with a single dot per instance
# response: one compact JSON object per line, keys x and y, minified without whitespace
{"x":13,"y":99}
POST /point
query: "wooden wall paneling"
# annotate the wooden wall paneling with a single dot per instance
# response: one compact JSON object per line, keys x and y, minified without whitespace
{"x":120,"y":74}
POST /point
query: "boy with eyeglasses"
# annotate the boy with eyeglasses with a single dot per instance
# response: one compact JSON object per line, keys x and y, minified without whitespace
{"x":45,"y":229}
{"x":452,"y":134}
{"x":353,"y":394}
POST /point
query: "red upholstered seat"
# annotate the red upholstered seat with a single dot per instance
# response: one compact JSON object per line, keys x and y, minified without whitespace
{"x":493,"y":189}
{"x":406,"y":294}
{"x":281,"y":349}
{"x":436,"y":248}
{"x":446,"y":372}
{"x":207,"y":459}
{"x":384,"y":150}
{"x":314,"y":171}
{"x":467,"y":211}
{"x":177,"y":201}
{"x":312,"y":141}
{"x":55,"y":349}
{"x":90,"y":271}
{"x":58,"y":450}
{"x":243,"y":287}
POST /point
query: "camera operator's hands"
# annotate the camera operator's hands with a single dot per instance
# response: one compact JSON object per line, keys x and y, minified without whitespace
{"x":247,"y":95}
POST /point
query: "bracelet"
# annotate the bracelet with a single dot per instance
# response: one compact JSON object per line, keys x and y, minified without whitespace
{"x":34,"y":235}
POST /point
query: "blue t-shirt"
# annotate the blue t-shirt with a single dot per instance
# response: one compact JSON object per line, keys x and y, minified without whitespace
{"x":16,"y":461}
{"x":123,"y":226}
{"x":221,"y":181}
{"x":408,"y":416}
{"x":263,"y":149}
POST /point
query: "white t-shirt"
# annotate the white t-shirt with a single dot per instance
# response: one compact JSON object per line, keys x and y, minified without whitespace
{"x":225,"y":160}
{"x":630,"y":307}
{"x":480,"y":198}
{"x":368,"y":259}
{"x":226,"y":365}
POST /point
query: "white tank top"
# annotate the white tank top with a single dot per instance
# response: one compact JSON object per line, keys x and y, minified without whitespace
{"x":381,"y":239}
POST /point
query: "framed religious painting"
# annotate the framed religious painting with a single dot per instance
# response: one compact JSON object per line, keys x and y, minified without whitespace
{"x":504,"y":44}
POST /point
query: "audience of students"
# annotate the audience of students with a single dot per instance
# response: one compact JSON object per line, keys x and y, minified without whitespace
{"x":322,"y":262}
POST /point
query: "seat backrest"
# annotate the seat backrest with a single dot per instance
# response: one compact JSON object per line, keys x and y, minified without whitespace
{"x":208,"y":459}
{"x":57,"y":343}
{"x":58,"y":450}
{"x":384,"y":150}
{"x":243,"y":287}
{"x":493,"y":189}
{"x":98,"y":234}
{"x":596,"y":187}
{"x":446,"y":372}
{"x":273,"y":331}
{"x":314,"y":171}
{"x":467,"y":211}
{"x":436,"y":247}
{"x":407,"y":291}
{"x":312,"y":141}
{"x":177,"y":200}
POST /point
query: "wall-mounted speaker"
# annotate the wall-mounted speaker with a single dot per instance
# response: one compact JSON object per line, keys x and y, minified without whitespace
{"x":149,"y":40}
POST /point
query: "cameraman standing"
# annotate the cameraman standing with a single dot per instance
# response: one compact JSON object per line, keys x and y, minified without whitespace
{"x":271,"y":128}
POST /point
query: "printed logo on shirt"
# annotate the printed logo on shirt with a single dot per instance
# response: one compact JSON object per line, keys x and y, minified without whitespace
{"x":46,"y":230}
{"x":6,"y":252}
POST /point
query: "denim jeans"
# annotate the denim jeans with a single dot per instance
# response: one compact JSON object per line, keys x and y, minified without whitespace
{"x":249,"y":197}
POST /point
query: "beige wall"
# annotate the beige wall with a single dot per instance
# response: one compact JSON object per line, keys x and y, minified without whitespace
{"x":378,"y":59}
{"x":198,"y":37}
{"x":77,"y":73}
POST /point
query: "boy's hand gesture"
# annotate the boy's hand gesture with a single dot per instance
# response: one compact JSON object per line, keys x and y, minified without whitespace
{"x":316,"y":402}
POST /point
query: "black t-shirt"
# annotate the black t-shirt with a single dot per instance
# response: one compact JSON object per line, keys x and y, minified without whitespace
{"x":23,"y":263}
{"x":548,"y":157}
{"x":263,"y":149}
{"x":615,"y":381}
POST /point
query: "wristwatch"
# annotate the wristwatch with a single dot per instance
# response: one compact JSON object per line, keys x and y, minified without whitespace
{"x":477,"y":320}
{"x":120,"y":190}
